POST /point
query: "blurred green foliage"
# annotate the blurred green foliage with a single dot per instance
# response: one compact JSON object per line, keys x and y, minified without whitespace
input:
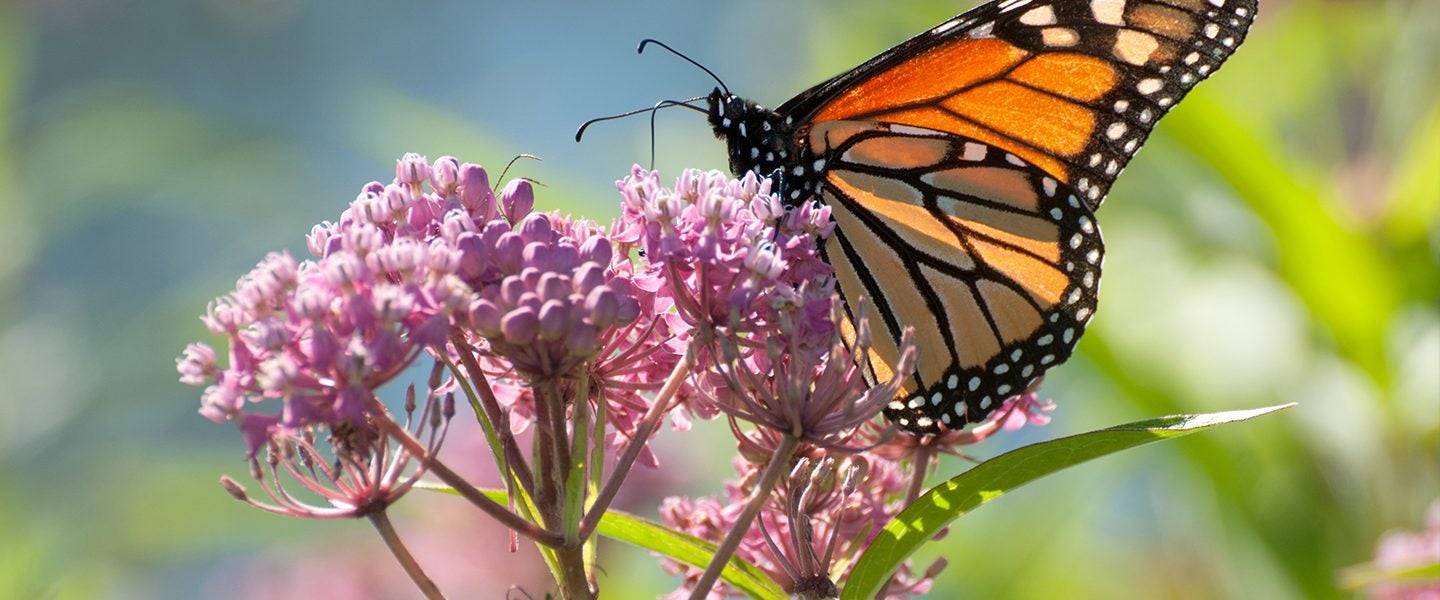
{"x":1277,"y":241}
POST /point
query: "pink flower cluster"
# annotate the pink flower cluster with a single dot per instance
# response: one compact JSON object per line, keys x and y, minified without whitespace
{"x":404,"y":271}
{"x":1402,"y":550}
{"x":725,"y":247}
{"x":811,"y":531}
{"x":710,"y":295}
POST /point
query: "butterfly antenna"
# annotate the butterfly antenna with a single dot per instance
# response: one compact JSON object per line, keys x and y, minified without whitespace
{"x":648,"y":41}
{"x":511,"y":164}
{"x":658,"y":105}
{"x":662,"y":104}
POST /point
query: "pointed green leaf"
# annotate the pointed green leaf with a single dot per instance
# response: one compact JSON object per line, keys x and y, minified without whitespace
{"x":685,"y":548}
{"x":940,"y":506}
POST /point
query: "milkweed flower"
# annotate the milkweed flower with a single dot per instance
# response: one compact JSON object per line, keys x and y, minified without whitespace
{"x":1402,"y":550}
{"x":545,"y":293}
{"x":810,"y":532}
{"x":319,"y":336}
{"x":357,"y":472}
{"x":740,"y":266}
{"x":720,"y":244}
{"x":807,"y":382}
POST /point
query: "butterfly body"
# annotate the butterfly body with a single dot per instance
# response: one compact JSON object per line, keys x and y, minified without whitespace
{"x":963,"y":167}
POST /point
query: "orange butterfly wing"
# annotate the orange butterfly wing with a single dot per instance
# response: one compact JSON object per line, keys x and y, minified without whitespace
{"x":991,"y":260}
{"x":963,"y":168}
{"x":1071,"y":86}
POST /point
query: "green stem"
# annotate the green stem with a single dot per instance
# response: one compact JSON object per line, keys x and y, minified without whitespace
{"x":465,"y":489}
{"x":575,"y":487}
{"x":487,"y":410}
{"x":402,"y":554}
{"x":779,"y":464}
{"x":642,"y":435}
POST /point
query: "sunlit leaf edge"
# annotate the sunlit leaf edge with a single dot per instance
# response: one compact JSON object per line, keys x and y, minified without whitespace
{"x":993,"y":478}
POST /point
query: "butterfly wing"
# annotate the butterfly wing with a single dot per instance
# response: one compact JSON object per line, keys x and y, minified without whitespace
{"x":1071,"y":86}
{"x":991,"y":259}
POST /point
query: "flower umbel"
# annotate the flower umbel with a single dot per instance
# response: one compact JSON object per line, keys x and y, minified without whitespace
{"x":1401,"y":551}
{"x":710,"y":295}
{"x":355,"y":471}
{"x":811,"y":529}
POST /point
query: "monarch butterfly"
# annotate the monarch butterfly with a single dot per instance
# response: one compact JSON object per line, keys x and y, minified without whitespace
{"x":963,"y":168}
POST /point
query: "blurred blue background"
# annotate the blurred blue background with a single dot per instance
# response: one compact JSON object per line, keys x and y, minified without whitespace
{"x":1277,"y":241}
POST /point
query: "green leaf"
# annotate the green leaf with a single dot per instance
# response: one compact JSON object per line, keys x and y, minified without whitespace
{"x":682,"y":547}
{"x":1363,"y":576}
{"x":687,"y":549}
{"x":963,"y":493}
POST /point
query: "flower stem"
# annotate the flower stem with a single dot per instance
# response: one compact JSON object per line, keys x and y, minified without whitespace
{"x":642,"y":436}
{"x":402,"y":554}
{"x":464,"y":488}
{"x":778,"y":466}
{"x":574,"y":582}
{"x":514,"y":468}
{"x":923,"y":456}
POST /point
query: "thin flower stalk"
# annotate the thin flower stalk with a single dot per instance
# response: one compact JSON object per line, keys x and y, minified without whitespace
{"x":402,"y":554}
{"x":758,"y":497}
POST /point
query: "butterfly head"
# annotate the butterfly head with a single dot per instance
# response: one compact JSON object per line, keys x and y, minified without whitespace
{"x":761,"y":140}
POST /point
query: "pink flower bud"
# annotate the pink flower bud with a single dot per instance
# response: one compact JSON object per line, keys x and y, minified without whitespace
{"x":520,"y":326}
{"x":512,"y":288}
{"x":510,"y":252}
{"x":553,"y":286}
{"x":629,"y":310}
{"x":472,"y":254}
{"x":485,"y":318}
{"x":588,"y":277}
{"x":517,"y":200}
{"x":536,"y":228}
{"x":597,"y":250}
{"x":445,"y":175}
{"x":412,"y":169}
{"x":475,"y":194}
{"x":583,"y":340}
{"x":603,"y":306}
{"x":554,"y":320}
{"x":538,"y":255}
{"x":565,"y":257}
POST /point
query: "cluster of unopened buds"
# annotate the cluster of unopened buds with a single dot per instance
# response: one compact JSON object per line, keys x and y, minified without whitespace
{"x":706,"y":298}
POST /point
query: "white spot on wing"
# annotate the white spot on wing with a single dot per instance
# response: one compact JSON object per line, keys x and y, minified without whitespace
{"x":1109,"y":12}
{"x":1040,"y":15}
{"x":1059,"y":37}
